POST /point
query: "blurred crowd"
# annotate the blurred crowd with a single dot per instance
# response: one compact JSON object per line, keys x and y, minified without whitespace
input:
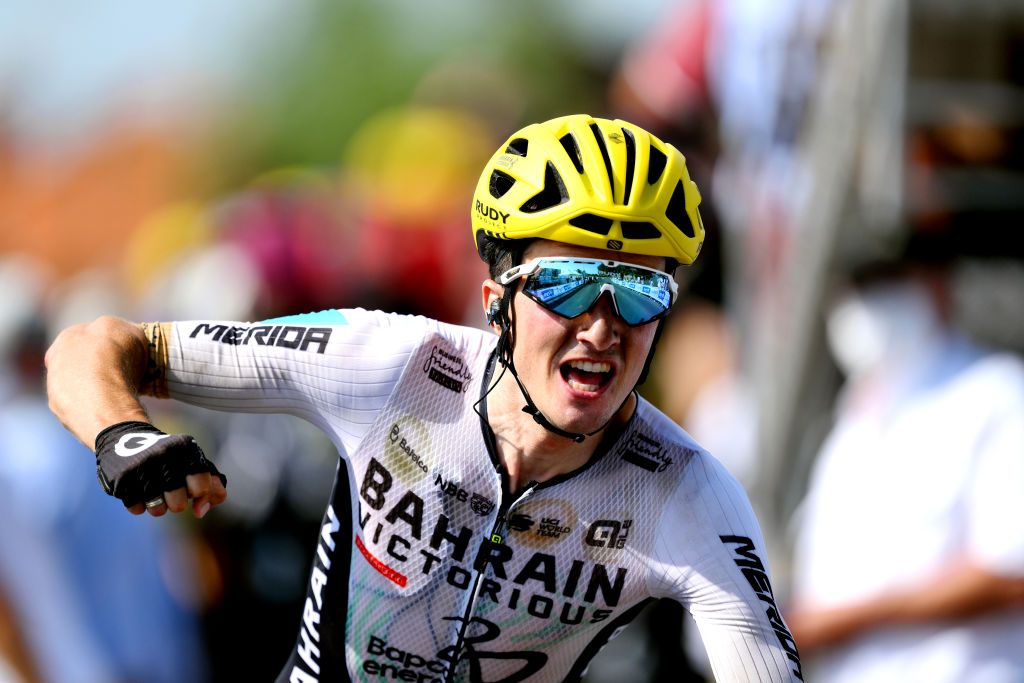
{"x":848,"y":345}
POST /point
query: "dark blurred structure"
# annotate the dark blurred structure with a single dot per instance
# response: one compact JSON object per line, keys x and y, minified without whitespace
{"x":914,"y":125}
{"x":930,"y":156}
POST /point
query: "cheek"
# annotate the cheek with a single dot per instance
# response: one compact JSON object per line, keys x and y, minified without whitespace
{"x":640,"y":342}
{"x":540,"y":326}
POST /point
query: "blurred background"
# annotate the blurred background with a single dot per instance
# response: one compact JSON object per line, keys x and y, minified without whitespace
{"x":244,"y":160}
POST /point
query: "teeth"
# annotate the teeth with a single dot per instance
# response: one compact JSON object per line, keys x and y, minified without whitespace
{"x":587,"y":366}
{"x":578,"y":386}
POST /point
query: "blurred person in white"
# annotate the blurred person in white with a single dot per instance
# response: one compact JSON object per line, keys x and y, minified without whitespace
{"x":909,"y":559}
{"x":87,"y":591}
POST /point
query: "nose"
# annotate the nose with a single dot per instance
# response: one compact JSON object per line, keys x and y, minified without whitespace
{"x":600,"y":327}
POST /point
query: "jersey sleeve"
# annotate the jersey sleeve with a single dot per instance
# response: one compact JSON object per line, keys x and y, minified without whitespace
{"x":334,"y":368}
{"x":710,"y":556}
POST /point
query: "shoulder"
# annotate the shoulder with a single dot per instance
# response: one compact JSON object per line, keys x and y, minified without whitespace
{"x":997,"y":376}
{"x":412,"y":326}
{"x":705,"y":502}
{"x":696,"y":472}
{"x":989,"y":387}
{"x":707,"y":530}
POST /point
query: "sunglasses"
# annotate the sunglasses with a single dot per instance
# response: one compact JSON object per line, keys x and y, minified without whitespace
{"x":571,"y":286}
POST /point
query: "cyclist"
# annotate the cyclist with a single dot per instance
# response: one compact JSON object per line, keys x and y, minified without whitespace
{"x":503,"y":503}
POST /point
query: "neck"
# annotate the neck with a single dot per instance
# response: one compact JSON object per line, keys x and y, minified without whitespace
{"x":531,"y":453}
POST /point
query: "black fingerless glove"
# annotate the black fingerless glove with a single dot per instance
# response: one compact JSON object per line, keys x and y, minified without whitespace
{"x":136,"y":462}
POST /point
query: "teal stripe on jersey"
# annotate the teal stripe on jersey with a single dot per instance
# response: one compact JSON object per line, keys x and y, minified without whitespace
{"x":329,"y":317}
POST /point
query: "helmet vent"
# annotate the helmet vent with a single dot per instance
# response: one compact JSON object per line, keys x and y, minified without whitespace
{"x":573,"y":150}
{"x":641,"y":230}
{"x":501,"y":183}
{"x":630,"y":163}
{"x":553,"y":193}
{"x":656,"y":166}
{"x":676,"y":211}
{"x":604,"y":155}
{"x":592,"y":223}
{"x":518,"y":147}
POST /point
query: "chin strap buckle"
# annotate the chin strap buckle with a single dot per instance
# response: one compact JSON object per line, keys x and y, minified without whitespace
{"x":539,"y":418}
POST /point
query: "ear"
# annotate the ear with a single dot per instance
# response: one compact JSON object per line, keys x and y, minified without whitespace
{"x":491,"y":297}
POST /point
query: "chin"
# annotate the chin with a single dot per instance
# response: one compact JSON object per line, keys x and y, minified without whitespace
{"x":582,"y":421}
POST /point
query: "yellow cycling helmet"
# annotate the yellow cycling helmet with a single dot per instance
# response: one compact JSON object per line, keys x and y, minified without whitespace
{"x":591,"y":182}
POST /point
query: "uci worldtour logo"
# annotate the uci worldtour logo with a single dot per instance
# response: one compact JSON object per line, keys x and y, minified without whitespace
{"x":387,"y":661}
{"x":549,"y":527}
{"x":542,"y":523}
{"x":447,"y":369}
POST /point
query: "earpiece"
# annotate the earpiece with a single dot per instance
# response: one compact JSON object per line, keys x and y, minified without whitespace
{"x":494,"y":313}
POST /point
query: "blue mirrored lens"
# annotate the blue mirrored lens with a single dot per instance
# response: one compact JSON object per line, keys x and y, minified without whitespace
{"x":570,"y":288}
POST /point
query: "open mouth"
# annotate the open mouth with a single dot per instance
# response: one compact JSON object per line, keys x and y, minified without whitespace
{"x":587,"y":376}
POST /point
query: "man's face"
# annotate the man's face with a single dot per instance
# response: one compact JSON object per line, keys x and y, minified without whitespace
{"x":579,"y":371}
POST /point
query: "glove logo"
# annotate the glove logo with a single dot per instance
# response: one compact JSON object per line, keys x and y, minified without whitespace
{"x":136,"y":442}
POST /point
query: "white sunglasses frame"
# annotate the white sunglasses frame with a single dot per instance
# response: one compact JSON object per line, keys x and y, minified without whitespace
{"x":533,"y":265}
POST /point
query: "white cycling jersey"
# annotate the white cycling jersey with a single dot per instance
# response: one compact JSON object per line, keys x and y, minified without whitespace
{"x":428,"y":568}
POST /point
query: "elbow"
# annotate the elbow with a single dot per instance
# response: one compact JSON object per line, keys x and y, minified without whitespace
{"x":77,"y":337}
{"x":59,"y":347}
{"x":78,"y":343}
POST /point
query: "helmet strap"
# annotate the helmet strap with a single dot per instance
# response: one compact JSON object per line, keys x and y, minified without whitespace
{"x":650,"y":354}
{"x":671,"y":265}
{"x":506,"y":344}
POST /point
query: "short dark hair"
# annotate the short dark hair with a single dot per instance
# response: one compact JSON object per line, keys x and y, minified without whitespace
{"x":500,"y":255}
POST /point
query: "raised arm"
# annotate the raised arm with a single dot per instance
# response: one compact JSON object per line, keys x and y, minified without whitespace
{"x":95,"y":373}
{"x":712,"y":559}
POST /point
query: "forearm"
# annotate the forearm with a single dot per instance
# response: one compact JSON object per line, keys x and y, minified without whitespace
{"x":94,"y":373}
{"x":963,"y":591}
